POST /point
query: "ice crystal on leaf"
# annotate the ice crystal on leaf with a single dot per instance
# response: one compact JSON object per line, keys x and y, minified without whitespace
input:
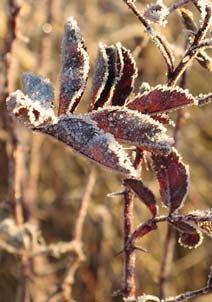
{"x":112,"y":117}
{"x":38,"y":89}
{"x":162,"y":99}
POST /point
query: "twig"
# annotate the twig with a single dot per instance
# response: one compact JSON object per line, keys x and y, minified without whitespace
{"x":189,"y":295}
{"x":192,"y":51}
{"x":167,"y":260}
{"x":75,"y":261}
{"x":15,"y":149}
{"x":177,"y":5}
{"x":161,"y":43}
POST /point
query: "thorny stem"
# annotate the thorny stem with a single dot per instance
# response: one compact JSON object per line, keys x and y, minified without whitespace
{"x":129,"y":286}
{"x":15,"y":149}
{"x":129,"y":253}
{"x":75,"y":260}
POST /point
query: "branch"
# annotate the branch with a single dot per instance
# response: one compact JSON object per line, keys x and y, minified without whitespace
{"x":75,"y":261}
{"x":160,"y":42}
{"x":192,"y":51}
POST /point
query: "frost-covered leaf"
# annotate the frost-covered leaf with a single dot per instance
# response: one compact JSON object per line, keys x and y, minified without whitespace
{"x":173,"y":178}
{"x":106,"y":89}
{"x":84,"y":136}
{"x":74,"y":68}
{"x":202,"y":220}
{"x":204,"y":99}
{"x":32,"y":113}
{"x":205,"y":227}
{"x":161,"y":99}
{"x":39,"y":89}
{"x":126,"y":73}
{"x":143,"y":193}
{"x":142,"y":230}
{"x":183,"y":226}
{"x":163,"y":118}
{"x":204,"y":60}
{"x":190,"y":240}
{"x":133,"y":128}
{"x":157,"y":13}
{"x":100,"y":76}
{"x":188,"y":20}
{"x":114,"y":76}
{"x":190,"y":235}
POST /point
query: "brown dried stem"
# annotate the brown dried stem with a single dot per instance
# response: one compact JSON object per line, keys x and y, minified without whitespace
{"x":76,"y":259}
{"x":156,"y":37}
{"x":15,"y":154}
{"x":192,"y":51}
{"x":167,"y":261}
{"x":129,"y":286}
{"x":170,"y":240}
{"x":189,"y":295}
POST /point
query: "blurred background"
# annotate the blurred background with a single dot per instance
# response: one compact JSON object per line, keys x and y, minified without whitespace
{"x":54,"y":176}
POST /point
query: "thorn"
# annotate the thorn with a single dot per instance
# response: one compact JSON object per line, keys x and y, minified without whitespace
{"x":119,"y":253}
{"x":141,"y":249}
{"x":114,"y":194}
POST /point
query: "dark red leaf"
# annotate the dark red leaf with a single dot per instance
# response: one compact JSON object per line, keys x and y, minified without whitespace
{"x":183,"y":226}
{"x":100,"y":76}
{"x":161,"y":99}
{"x":74,"y":69}
{"x":202,"y":220}
{"x":133,"y":128}
{"x":143,"y":193}
{"x":125,"y":76}
{"x":173,"y":178}
{"x":190,"y":240}
{"x":84,"y":136}
{"x":142,"y":230}
{"x":163,"y":118}
{"x":106,"y":92}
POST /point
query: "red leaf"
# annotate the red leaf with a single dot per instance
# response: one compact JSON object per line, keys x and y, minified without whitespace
{"x":125,"y":76}
{"x":161,"y":99}
{"x":142,"y":230}
{"x":173,"y":178}
{"x":183,"y":226}
{"x":100,"y":76}
{"x":143,"y":193}
{"x":105,"y":91}
{"x":83,"y":135}
{"x":190,"y":240}
{"x":75,"y":68}
{"x":133,"y":128}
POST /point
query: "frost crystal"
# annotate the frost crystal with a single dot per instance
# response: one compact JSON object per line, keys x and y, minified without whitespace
{"x":157,"y":13}
{"x":162,"y":99}
{"x":133,"y":128}
{"x":38,"y":89}
{"x":75,"y":67}
{"x":84,"y":136}
{"x":29,"y":111}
